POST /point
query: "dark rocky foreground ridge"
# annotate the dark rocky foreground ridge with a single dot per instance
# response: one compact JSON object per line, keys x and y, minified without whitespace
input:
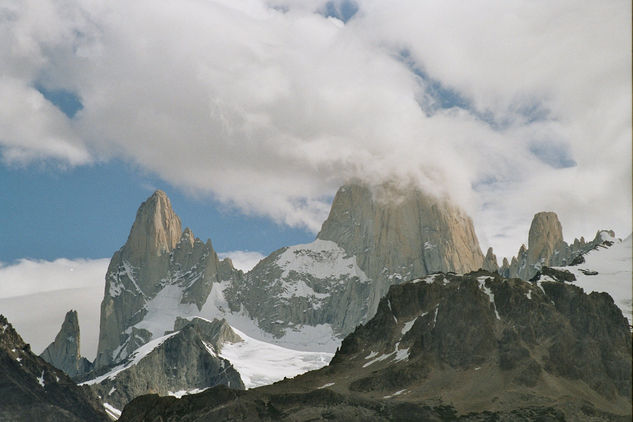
{"x":448,"y":347}
{"x":33,"y":390}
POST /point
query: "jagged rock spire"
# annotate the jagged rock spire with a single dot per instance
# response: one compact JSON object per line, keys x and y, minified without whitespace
{"x":65,"y":353}
{"x":156,"y":229}
{"x":490,"y":262}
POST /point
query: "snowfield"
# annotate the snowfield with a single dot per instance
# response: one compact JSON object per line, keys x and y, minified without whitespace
{"x":260,"y":363}
{"x":614,"y":266}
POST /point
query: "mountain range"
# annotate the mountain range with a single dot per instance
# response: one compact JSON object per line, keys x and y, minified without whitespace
{"x":394,"y":290}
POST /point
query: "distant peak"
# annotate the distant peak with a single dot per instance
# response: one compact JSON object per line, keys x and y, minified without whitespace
{"x":156,"y":229}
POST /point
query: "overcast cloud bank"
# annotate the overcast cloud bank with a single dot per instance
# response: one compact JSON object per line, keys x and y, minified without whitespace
{"x":507,"y":107}
{"x":35,"y":296}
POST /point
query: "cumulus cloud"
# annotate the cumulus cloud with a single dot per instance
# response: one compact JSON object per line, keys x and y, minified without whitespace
{"x":242,"y":260}
{"x":507,"y":107}
{"x":35,"y":296}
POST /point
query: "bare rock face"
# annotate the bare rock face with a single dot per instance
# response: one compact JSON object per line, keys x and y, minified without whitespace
{"x":157,"y":255}
{"x":545,"y":239}
{"x":397,"y":233}
{"x":546,"y":248}
{"x":185,"y":360}
{"x":33,"y":390}
{"x":490,"y":262}
{"x":64,"y":353}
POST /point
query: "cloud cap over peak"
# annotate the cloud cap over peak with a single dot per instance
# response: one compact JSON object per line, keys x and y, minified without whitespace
{"x":270,"y":106}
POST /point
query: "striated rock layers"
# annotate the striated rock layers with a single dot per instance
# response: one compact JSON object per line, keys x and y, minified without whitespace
{"x":33,"y":390}
{"x":64,"y":352}
{"x":546,"y":248}
{"x":372,"y":239}
{"x":180,"y":362}
{"x":157,"y":254}
{"x":448,"y":347}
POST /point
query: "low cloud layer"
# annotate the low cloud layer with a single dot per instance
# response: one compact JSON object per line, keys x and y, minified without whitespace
{"x":35,"y":296}
{"x":507,"y":107}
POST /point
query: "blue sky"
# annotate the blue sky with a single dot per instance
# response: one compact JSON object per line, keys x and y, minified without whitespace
{"x":87,"y":212}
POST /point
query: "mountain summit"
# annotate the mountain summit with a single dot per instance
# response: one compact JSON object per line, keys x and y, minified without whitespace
{"x":399,"y":233}
{"x":158,"y":254}
{"x":64,"y":353}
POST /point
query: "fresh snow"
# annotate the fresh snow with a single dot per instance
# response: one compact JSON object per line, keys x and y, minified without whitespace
{"x":134,"y":358}
{"x":615,"y":268}
{"x":260,"y":363}
{"x":371,"y":355}
{"x":329,"y":384}
{"x":408,"y":325}
{"x":486,"y":290}
{"x":178,"y":394}
{"x":320,"y":259}
{"x":112,"y":411}
{"x":397,"y":393}
{"x":401,"y":354}
{"x":378,"y":359}
{"x":300,"y":289}
{"x":40,"y":380}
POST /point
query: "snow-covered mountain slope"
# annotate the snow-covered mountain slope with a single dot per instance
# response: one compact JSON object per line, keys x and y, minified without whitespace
{"x":316,"y":285}
{"x":608,"y":269}
{"x":199,"y":355}
{"x":185,"y":360}
{"x":260,"y":363}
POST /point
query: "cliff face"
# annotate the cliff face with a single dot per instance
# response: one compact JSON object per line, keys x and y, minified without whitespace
{"x":33,"y":390}
{"x":398,"y":233}
{"x":372,"y":239}
{"x":156,"y":255}
{"x":64,"y":353}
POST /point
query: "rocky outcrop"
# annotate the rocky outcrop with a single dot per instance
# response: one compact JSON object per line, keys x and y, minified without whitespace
{"x":33,"y":390}
{"x":473,"y":347}
{"x":490,"y":262}
{"x":64,"y":352}
{"x":546,"y":247}
{"x":186,"y":360}
{"x":372,"y":239}
{"x":396,"y":233}
{"x":156,"y":256}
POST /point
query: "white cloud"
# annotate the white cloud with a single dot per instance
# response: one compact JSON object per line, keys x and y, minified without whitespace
{"x":243,"y":260}
{"x":35,"y":296}
{"x":271,"y":110}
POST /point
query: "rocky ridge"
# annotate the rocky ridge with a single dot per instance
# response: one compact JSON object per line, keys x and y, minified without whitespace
{"x":33,"y":390}
{"x":64,"y":352}
{"x":450,"y":347}
{"x":546,"y":248}
{"x":184,"y":361}
{"x":156,"y":256}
